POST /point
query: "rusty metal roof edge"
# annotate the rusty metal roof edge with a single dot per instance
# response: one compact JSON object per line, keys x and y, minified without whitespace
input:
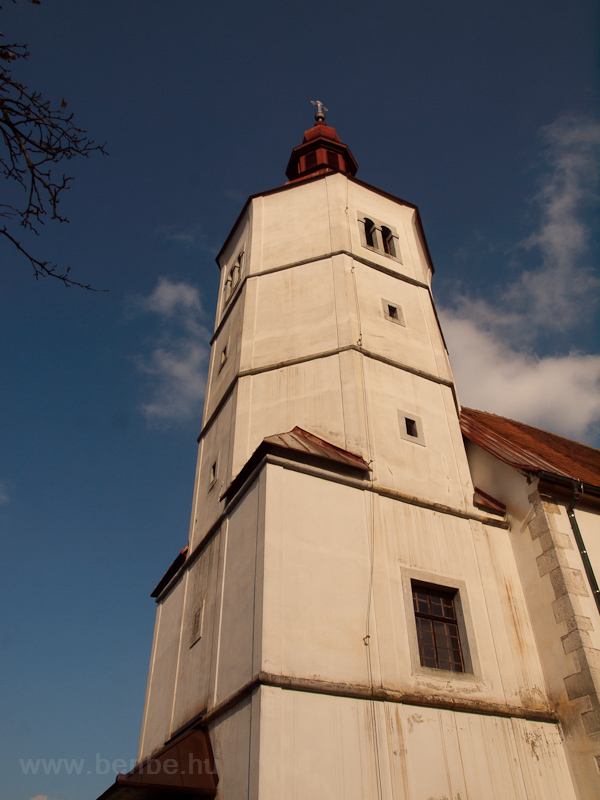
{"x":326,"y":452}
{"x":136,"y":780}
{"x":509,"y":452}
{"x":330,"y":449}
{"x":171,"y":571}
{"x":490,"y":501}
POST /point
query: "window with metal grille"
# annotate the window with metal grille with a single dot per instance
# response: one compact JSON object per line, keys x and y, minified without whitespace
{"x":437,"y":628}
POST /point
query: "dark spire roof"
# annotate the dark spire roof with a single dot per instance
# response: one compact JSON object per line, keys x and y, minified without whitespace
{"x":321,"y":151}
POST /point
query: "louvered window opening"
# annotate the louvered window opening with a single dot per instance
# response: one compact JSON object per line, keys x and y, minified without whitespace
{"x":310,"y":160}
{"x":437,"y":629}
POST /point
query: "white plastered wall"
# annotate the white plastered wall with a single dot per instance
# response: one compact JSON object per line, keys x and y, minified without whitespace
{"x":320,"y":304}
{"x":318,"y":746}
{"x":187,"y":678}
{"x":321,"y":541}
{"x":589,"y":525}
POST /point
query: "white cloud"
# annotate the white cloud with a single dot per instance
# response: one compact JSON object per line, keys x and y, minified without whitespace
{"x":191,"y":237}
{"x":559,"y":393}
{"x":5,"y":487}
{"x":491,"y":343}
{"x":178,"y":383}
{"x":176,"y":367}
{"x":169,"y":299}
{"x":554,"y":294}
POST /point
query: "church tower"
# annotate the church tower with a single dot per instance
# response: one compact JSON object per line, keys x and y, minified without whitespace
{"x":344,"y":622}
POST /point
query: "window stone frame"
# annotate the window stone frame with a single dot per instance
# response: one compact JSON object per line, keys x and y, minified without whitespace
{"x":224,"y":357}
{"x":400,"y":320}
{"x":466,"y":632}
{"x":197,"y":623}
{"x":233,"y":276}
{"x":378,"y":248}
{"x":213,"y":474}
{"x":420,"y":437}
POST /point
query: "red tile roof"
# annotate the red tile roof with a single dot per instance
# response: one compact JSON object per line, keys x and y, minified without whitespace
{"x":531,"y":449}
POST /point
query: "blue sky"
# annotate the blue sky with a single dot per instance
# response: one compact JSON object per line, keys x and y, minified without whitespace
{"x":484,"y":114}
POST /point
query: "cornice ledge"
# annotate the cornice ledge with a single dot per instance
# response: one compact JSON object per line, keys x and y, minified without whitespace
{"x":378,"y":693}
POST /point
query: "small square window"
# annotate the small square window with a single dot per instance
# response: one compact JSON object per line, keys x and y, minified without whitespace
{"x":411,"y":427}
{"x":212,"y":475}
{"x":393,"y":312}
{"x":197,"y":624}
{"x":437,"y":628}
{"x":224,"y":356}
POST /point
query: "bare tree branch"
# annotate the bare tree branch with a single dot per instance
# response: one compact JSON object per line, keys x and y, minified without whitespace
{"x":34,"y":138}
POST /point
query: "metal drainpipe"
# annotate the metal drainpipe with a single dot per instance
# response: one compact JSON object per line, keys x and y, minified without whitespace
{"x":589,"y":570}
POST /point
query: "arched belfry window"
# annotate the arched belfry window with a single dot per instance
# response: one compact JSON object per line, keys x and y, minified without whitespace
{"x":370,"y":232}
{"x":233,"y":276}
{"x":378,"y":236}
{"x":388,"y":241}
